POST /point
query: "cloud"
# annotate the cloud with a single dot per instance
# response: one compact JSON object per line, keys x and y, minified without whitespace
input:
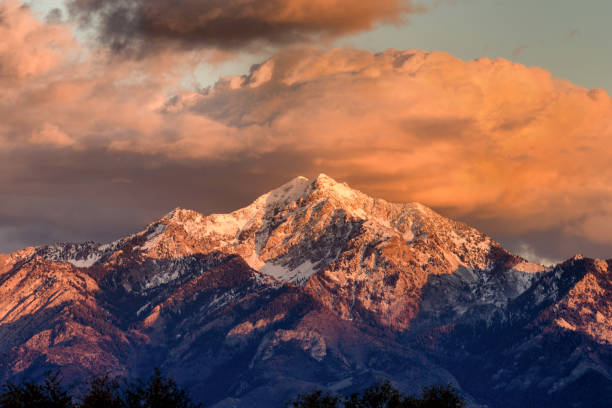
{"x":526,"y":251}
{"x":485,"y":139}
{"x":29,"y":47}
{"x":143,"y":26}
{"x":499,"y":144}
{"x":56,"y":93}
{"x":54,"y":16}
{"x":51,"y":135}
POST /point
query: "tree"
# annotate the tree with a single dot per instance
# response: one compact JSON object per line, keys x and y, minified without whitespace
{"x":315,"y":399}
{"x":157,"y":392}
{"x":50,"y":394}
{"x":380,"y":395}
{"x":103,"y":392}
{"x":383,"y":395}
{"x":439,"y":396}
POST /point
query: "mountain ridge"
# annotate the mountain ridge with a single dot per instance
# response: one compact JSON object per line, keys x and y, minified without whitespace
{"x":313,"y":284}
{"x":317,"y":191}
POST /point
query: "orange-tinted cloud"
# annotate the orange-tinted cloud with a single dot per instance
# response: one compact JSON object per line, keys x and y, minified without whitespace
{"x":51,"y":135}
{"x":143,"y":26}
{"x":485,"y":138}
{"x":28,"y":47}
{"x":482,"y":140}
{"x":59,"y":94}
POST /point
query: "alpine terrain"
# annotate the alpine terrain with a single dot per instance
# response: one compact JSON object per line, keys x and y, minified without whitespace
{"x":312,"y":285}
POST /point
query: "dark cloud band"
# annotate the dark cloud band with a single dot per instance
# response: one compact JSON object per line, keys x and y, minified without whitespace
{"x":142,"y":26}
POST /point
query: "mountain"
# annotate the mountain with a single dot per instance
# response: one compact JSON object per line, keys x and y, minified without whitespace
{"x":313,"y":284}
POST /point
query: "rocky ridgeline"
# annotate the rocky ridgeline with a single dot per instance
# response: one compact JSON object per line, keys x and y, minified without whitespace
{"x":314,"y":283}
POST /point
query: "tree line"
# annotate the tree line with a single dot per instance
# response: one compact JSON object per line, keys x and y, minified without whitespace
{"x":103,"y":392}
{"x":383,"y":395}
{"x":159,"y":391}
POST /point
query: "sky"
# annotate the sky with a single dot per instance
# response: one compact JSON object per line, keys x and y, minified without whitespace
{"x":495,"y":113}
{"x":567,"y":37}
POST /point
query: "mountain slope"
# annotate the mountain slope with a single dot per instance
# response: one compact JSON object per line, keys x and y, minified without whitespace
{"x":313,"y":284}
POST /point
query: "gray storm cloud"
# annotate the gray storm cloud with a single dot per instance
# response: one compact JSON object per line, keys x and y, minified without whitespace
{"x":140,"y":27}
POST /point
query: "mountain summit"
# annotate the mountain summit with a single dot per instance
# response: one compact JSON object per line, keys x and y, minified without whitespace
{"x":303,"y":226}
{"x":314,"y":283}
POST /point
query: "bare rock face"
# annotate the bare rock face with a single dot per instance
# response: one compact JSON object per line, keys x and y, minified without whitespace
{"x":313,"y":284}
{"x":50,"y":315}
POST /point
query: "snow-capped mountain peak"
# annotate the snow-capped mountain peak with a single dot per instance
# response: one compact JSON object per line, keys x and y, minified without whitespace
{"x":312,"y":225}
{"x":307,"y":226}
{"x":311,"y":277}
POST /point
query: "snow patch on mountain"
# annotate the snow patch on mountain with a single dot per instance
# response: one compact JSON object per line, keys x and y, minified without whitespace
{"x":84,"y":255}
{"x":298,"y":275}
{"x":340,"y":190}
{"x":286,"y":194}
{"x":158,"y":229}
{"x":85,"y":263}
